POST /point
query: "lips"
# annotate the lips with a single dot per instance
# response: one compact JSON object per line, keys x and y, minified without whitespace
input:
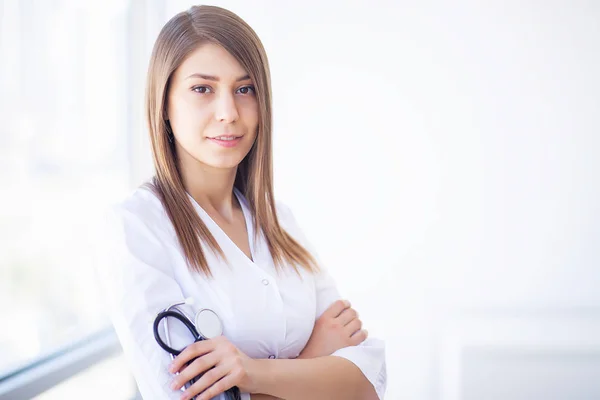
{"x":227,"y":141}
{"x":226,"y":137}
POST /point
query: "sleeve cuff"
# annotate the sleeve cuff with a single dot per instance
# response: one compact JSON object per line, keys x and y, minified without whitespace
{"x":369,"y":357}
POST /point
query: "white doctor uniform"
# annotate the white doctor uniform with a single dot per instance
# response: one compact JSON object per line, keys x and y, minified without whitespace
{"x":264,"y":313}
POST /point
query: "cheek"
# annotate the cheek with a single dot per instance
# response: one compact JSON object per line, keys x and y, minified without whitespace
{"x":189,"y":117}
{"x":250,"y":114}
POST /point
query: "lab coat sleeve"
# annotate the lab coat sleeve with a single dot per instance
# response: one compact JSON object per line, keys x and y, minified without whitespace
{"x":369,"y":356}
{"x":135,"y":276}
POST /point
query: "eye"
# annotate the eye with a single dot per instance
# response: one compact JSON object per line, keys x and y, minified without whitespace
{"x":200,"y":89}
{"x":247,"y":90}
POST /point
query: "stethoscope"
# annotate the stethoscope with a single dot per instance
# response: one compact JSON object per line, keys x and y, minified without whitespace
{"x":206,"y":325}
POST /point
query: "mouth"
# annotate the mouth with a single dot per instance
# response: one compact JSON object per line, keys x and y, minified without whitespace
{"x":225,"y":137}
{"x":226,"y":140}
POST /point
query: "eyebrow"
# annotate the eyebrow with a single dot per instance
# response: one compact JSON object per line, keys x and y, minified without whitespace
{"x":216,"y":78}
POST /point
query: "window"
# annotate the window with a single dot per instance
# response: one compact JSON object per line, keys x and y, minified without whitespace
{"x":64,"y":149}
{"x":93,"y":383}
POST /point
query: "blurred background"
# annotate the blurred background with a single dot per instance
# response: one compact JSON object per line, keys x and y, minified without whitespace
{"x":442,"y":158}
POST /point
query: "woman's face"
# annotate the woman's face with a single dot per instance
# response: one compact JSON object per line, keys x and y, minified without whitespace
{"x":212,"y":108}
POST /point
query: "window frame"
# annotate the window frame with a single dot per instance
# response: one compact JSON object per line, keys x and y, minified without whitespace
{"x":49,"y":370}
{"x":144,"y":20}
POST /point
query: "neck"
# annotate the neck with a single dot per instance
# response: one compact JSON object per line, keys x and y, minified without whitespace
{"x":212,"y":188}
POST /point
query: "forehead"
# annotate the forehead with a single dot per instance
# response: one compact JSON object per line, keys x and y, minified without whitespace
{"x":210,"y":59}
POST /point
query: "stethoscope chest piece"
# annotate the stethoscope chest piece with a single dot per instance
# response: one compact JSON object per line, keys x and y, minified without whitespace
{"x":208,"y":324}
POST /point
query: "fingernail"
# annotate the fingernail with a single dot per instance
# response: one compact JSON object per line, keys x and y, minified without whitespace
{"x":174,"y":385}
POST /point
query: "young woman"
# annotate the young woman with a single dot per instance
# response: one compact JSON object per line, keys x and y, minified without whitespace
{"x":207,"y":227}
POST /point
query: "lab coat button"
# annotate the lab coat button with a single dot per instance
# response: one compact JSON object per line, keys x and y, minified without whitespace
{"x":265,"y":282}
{"x":271,"y":356}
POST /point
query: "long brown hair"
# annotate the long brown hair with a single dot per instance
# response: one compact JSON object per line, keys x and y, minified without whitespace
{"x":178,"y":38}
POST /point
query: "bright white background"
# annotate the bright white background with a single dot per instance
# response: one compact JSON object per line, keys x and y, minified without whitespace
{"x":441,"y":158}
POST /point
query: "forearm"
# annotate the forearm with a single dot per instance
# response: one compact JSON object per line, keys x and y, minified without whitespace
{"x":260,"y":396}
{"x":325,"y":378}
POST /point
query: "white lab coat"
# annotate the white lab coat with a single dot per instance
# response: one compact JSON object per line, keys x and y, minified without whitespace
{"x":141,"y":270}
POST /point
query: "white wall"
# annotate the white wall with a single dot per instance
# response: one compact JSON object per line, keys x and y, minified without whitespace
{"x":442,"y":158}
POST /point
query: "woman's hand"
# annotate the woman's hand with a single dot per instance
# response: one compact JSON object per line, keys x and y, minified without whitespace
{"x":231,"y":368}
{"x":337,"y":328}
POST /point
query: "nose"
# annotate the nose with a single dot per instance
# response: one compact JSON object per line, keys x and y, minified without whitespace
{"x":226,"y":109}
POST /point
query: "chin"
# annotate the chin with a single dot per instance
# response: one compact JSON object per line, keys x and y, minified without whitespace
{"x":224,"y":162}
{"x":222,"y":158}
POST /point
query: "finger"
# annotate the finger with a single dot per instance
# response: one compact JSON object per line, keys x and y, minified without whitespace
{"x":336,"y":308}
{"x":359,"y":337}
{"x":208,"y":380}
{"x":192,"y":351}
{"x":197,"y":367}
{"x":353,"y":327}
{"x":219,"y":387}
{"x":347,"y":316}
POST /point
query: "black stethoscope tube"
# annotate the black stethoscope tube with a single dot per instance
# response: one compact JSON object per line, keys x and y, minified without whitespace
{"x":232,"y":393}
{"x":180,"y":317}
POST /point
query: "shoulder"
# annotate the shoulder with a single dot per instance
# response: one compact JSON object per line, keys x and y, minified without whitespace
{"x":141,"y":202}
{"x":284,"y":213}
{"x":287,"y":220}
{"x":139,"y":210}
{"x":282,"y":209}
